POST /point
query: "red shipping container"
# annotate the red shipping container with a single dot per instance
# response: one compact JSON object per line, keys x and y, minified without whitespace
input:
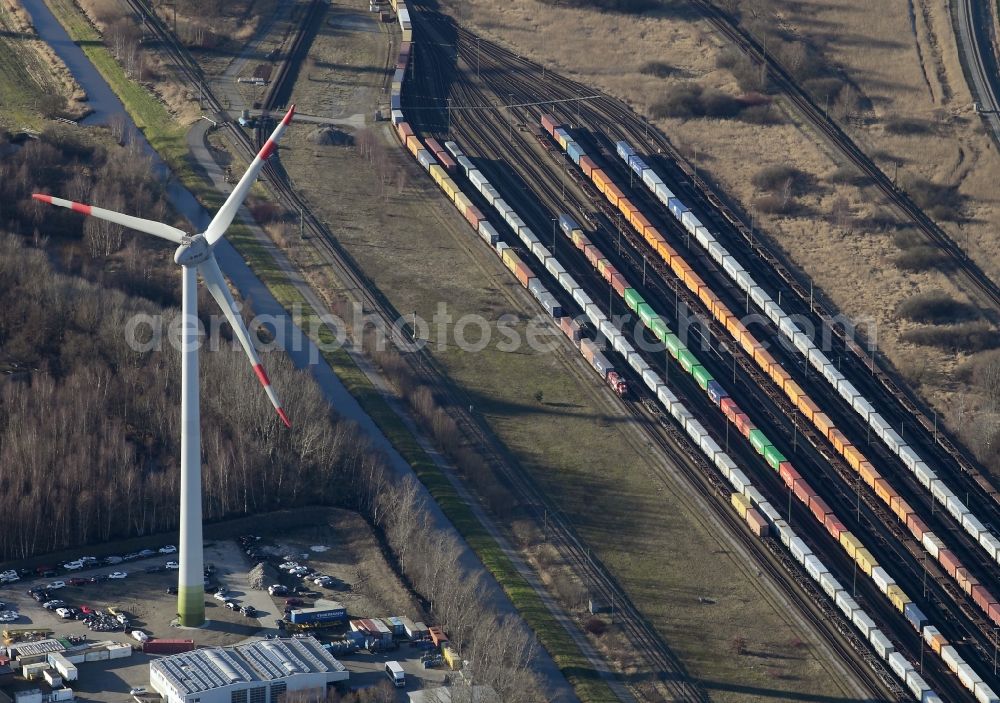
{"x":743,"y":424}
{"x":730,"y":408}
{"x":949,"y":561}
{"x":447,"y":163}
{"x":834,"y":526}
{"x":993,"y":611}
{"x":588,"y":349}
{"x":549,"y":124}
{"x":609,"y":272}
{"x":803,"y":491}
{"x":758,"y":524}
{"x":434,"y":146}
{"x":619,"y":283}
{"x":982,"y":597}
{"x":571,"y":328}
{"x":523,"y":273}
{"x":819,"y":508}
{"x":916,"y":526}
{"x":474,"y":216}
{"x":587,"y":166}
{"x":593,"y":254}
{"x":788,"y":473}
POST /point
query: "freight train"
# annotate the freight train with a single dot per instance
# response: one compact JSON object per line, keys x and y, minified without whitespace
{"x":758,"y":440}
{"x":926,"y":476}
{"x":758,"y":513}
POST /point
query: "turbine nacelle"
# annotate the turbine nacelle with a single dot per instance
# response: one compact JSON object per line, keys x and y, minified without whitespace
{"x":193,"y":251}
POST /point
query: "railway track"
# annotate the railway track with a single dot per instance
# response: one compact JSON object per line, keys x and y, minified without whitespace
{"x":491,"y":139}
{"x":614,"y":118}
{"x":884,"y":517}
{"x":559,"y":529}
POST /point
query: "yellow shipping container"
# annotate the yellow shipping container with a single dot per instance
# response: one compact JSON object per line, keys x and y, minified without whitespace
{"x":407,"y":35}
{"x":451,"y":657}
{"x":437,"y":173}
{"x":850,"y":543}
{"x":449,"y":187}
{"x":741,"y":503}
{"x":865,"y":560}
{"x":462,"y":202}
{"x":509,"y":258}
{"x":898,"y":597}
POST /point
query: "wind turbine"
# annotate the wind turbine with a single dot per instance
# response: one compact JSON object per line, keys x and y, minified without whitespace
{"x":195,"y":255}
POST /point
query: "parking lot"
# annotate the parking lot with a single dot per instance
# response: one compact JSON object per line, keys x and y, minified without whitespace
{"x":342,"y":548}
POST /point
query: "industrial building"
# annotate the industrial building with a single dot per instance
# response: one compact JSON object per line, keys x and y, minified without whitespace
{"x":259,"y":672}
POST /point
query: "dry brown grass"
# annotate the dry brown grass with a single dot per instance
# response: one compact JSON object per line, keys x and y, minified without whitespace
{"x":907,"y":74}
{"x":47,"y":69}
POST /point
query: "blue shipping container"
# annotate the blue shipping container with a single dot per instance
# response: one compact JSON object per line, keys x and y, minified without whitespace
{"x":394,"y":103}
{"x":568,"y":224}
{"x":624,"y":150}
{"x":716,"y":392}
{"x":637,"y":164}
{"x":575,"y":152}
{"x":312,"y":615}
{"x":602,"y":364}
{"x":915,"y":617}
{"x":677,"y":208}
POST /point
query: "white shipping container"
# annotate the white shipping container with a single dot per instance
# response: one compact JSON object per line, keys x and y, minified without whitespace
{"x":650,"y":178}
{"x":541,"y":252}
{"x":774,"y":312}
{"x":799,"y":549}
{"x":651,"y":379}
{"x":690,"y":222}
{"x":731,"y":266}
{"x":862,"y":407}
{"x":527,"y":236}
{"x":710,"y":447}
{"x":956,"y":507}
{"x":759,"y":296}
{"x":950,"y":657}
{"x":990,"y":543}
{"x":932,"y":544}
{"x":581,"y":298}
{"x":568,"y":283}
{"x":847,"y":391}
{"x":832,"y":375}
{"x":744,"y":281}
{"x":594,"y":313}
{"x":968,"y":676}
{"x":716,"y":251}
{"x":788,"y":327}
{"x":882,"y":645}
{"x":802,"y":343}
{"x":924,"y":474}
{"x":916,"y":684}
{"x":814,"y":567}
{"x":784,"y":532}
{"x":909,"y":457}
{"x":726,"y":465}
{"x":695,"y":430}
{"x":940,"y":491}
{"x":477,"y":178}
{"x":755,"y":496}
{"x":637,"y":363}
{"x":882,"y":579}
{"x":985,"y":694}
{"x":929,"y":633}
{"x":892,"y":438}
{"x":665,"y":397}
{"x":663,"y":193}
{"x":621,"y":345}
{"x":552,"y":265}
{"x":501,"y":206}
{"x":768,"y":511}
{"x":846,"y":604}
{"x":830,"y":585}
{"x":898,"y":664}
{"x":739,"y":480}
{"x":972,"y":525}
{"x":817,"y":359}
{"x":864,"y":623}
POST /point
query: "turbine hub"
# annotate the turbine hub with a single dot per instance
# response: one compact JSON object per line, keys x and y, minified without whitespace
{"x":193,"y":251}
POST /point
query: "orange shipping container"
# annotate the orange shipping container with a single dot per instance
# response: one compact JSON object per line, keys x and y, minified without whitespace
{"x":965,"y":580}
{"x":853,"y":456}
{"x":413,"y":144}
{"x":586,"y":165}
{"x":868,"y":473}
{"x":808,"y":407}
{"x":760,"y":355}
{"x":614,"y":193}
{"x":708,"y":298}
{"x":779,"y":375}
{"x":600,"y":180}
{"x":693,"y":281}
{"x":665,"y":251}
{"x":839,"y":440}
{"x":916,"y":526}
{"x":720,"y":311}
{"x":901,"y":508}
{"x":628,"y":209}
{"x":883,"y":490}
{"x":823,"y":423}
{"x":679,"y":265}
{"x":794,"y":391}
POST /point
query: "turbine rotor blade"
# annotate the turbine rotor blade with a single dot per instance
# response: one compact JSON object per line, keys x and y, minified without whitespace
{"x":157,"y":229}
{"x":220,"y":223}
{"x":216,"y":284}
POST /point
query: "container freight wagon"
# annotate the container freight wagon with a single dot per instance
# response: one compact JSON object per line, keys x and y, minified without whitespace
{"x":165,"y":646}
{"x":854,"y":457}
{"x":332,"y":612}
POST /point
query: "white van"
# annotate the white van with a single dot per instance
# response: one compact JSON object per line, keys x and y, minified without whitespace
{"x":394,"y":672}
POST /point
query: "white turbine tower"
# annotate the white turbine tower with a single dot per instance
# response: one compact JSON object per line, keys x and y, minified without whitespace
{"x":195,"y":255}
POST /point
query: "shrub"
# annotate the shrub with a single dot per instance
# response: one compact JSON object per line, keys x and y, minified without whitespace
{"x":906,"y":126}
{"x":660,"y":69}
{"x":595,"y":626}
{"x":940,"y":201}
{"x":908,"y":239}
{"x":967,"y":337}
{"x":848,"y":175}
{"x":774,"y":178}
{"x":774,"y":205}
{"x":936,"y":307}
{"x":761,"y":114}
{"x":679,"y":101}
{"x":717,"y":104}
{"x":923,"y":258}
{"x":623,"y":6}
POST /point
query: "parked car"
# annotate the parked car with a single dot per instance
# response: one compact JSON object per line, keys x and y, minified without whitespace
{"x":118,"y":575}
{"x":99,"y":578}
{"x":137,"y":690}
{"x":249,"y":611}
{"x":73,"y":565}
{"x":171,"y":590}
{"x":78,"y":581}
{"x":277,"y":590}
{"x":221,"y":594}
{"x":87,"y":610}
{"x":56,"y":585}
{"x":53,"y":604}
{"x":168,"y":549}
{"x":87,"y":560}
{"x":140,"y":635}
{"x":111,"y":561}
{"x":64,"y":613}
{"x":172,"y":565}
{"x":147,"y":553}
{"x":232,"y":604}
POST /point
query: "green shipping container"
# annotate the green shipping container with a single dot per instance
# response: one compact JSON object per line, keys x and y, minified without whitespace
{"x":759,"y":441}
{"x":773,"y":457}
{"x":702,"y":376}
{"x":633,"y":299}
{"x":674,"y":345}
{"x":687,"y":359}
{"x":646,"y":314}
{"x":659,"y":328}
